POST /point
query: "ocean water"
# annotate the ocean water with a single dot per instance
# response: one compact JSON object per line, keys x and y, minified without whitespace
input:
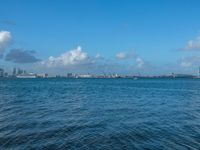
{"x":99,"y":114}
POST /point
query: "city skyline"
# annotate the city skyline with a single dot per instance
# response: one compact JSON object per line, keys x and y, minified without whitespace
{"x":21,"y":73}
{"x":97,"y":37}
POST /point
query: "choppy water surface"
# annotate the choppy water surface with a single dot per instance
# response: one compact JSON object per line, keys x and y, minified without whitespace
{"x":99,"y":114}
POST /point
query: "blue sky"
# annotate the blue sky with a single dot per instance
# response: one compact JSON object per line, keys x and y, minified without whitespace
{"x":156,"y":34}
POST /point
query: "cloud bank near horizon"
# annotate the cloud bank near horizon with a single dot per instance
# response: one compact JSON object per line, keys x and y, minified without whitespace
{"x":78,"y":60}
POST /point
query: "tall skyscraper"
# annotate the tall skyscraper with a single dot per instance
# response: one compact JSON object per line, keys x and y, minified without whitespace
{"x":14,"y":71}
{"x":20,"y":71}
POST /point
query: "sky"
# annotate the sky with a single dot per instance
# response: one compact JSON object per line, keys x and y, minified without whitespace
{"x":100,"y":36}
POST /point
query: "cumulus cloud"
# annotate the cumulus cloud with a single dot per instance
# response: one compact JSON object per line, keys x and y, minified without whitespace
{"x":78,"y":61}
{"x":5,"y":38}
{"x":131,"y":56}
{"x":72,"y":57}
{"x":139,"y":62}
{"x":98,"y":56}
{"x":125,"y":55}
{"x":193,"y":44}
{"x":121,"y":55}
{"x":21,"y":56}
{"x":185,"y":64}
{"x":189,"y":61}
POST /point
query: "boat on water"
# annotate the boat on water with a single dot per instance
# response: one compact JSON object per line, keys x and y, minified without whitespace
{"x":28,"y":75}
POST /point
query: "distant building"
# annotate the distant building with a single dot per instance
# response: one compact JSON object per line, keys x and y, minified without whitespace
{"x":20,"y":71}
{"x":199,"y":72}
{"x":42,"y":75}
{"x":58,"y":76}
{"x":182,"y":76}
{"x":14,"y":71}
{"x":6,"y":74}
{"x":70,"y":75}
{"x":1,"y":73}
{"x":84,"y":76}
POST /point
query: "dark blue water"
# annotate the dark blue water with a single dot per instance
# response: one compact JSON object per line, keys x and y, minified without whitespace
{"x":99,"y":114}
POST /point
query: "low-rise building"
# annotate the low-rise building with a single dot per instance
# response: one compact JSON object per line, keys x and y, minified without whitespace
{"x":1,"y":73}
{"x":42,"y":75}
{"x":70,"y":75}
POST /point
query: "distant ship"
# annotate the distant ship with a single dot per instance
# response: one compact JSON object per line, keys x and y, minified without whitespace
{"x":28,"y":75}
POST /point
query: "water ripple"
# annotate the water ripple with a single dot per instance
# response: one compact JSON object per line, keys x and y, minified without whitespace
{"x":99,"y":114}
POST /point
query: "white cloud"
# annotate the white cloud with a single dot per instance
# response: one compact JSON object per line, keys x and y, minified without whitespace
{"x":78,"y":61}
{"x":98,"y":56}
{"x":121,"y":55}
{"x":5,"y":38}
{"x":190,"y":61}
{"x":131,"y":55}
{"x":193,"y":44}
{"x":72,"y":57}
{"x":185,"y":64}
{"x":125,"y":55}
{"x":139,"y":62}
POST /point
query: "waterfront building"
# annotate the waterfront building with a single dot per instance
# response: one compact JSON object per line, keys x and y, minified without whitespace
{"x":70,"y":75}
{"x":1,"y":73}
{"x":14,"y":71}
{"x":199,"y":72}
{"x":84,"y":76}
{"x":42,"y":75}
{"x":6,"y":74}
{"x":20,"y":71}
